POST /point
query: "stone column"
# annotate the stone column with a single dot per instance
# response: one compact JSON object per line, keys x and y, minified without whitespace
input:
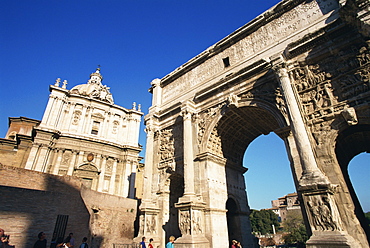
{"x":187,"y":112}
{"x":55,"y":113}
{"x":190,"y":207}
{"x":62,"y":114}
{"x":318,"y":194}
{"x":68,"y":121}
{"x":84,"y":122}
{"x":102,"y":174}
{"x":47,"y":114}
{"x":98,"y":165}
{"x":41,"y":158}
{"x":72,"y":164}
{"x":58,"y":161}
{"x":149,"y":211}
{"x":107,"y":125}
{"x":310,"y":169}
{"x":149,"y":154}
{"x":112,"y":184}
{"x":32,"y":157}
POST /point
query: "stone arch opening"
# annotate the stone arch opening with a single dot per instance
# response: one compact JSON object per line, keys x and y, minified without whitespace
{"x":230,"y":137}
{"x":351,"y":142}
{"x":268,"y":167}
{"x":359,"y":171}
{"x":238,"y":127}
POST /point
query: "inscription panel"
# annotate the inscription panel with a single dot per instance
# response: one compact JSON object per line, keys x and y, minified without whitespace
{"x":271,"y":33}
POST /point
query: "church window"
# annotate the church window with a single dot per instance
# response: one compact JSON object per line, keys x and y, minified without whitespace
{"x":95,"y":128}
{"x":115,"y":126}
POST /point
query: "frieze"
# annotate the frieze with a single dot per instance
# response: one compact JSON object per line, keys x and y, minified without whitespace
{"x":88,"y":146}
{"x":197,"y":222}
{"x":164,"y":173}
{"x":325,"y":90}
{"x":267,"y":35}
{"x":266,"y":92}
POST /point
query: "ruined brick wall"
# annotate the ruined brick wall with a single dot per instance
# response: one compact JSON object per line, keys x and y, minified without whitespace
{"x":31,"y":202}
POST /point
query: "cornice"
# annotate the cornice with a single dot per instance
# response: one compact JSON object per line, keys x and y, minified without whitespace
{"x":250,"y":27}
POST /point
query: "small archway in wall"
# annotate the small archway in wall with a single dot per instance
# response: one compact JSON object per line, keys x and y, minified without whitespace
{"x":233,"y":225}
{"x":351,"y":142}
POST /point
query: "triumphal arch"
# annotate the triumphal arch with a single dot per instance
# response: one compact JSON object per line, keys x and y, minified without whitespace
{"x":300,"y":70}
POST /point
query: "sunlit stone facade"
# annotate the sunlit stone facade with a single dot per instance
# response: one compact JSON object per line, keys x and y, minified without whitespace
{"x":84,"y":134}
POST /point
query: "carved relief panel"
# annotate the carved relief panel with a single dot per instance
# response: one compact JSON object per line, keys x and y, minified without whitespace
{"x":335,"y":83}
{"x":323,"y":213}
{"x":151,"y":224}
{"x":190,"y":222}
{"x":166,"y":145}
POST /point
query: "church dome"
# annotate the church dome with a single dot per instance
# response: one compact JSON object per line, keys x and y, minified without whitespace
{"x":94,"y":88}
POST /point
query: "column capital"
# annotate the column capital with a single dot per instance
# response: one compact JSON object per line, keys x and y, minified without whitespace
{"x":188,"y":109}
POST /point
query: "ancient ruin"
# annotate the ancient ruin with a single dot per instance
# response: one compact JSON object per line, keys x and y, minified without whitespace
{"x":300,"y":70}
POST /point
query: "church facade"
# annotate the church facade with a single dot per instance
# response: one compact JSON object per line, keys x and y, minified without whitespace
{"x":83,"y":134}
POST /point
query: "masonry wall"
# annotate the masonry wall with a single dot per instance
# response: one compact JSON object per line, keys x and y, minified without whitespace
{"x":31,"y":202}
{"x":15,"y":152}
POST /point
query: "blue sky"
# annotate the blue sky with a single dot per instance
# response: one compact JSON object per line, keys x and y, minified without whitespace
{"x":134,"y":42}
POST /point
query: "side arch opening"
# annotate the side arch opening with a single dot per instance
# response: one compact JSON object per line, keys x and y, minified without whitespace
{"x":351,"y":142}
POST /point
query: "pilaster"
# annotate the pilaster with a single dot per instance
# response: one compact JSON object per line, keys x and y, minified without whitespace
{"x":102,"y":174}
{"x":112,"y":184}
{"x":72,"y":164}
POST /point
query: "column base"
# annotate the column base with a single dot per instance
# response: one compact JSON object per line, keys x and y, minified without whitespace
{"x":331,"y":240}
{"x":313,"y":180}
{"x":192,"y":241}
